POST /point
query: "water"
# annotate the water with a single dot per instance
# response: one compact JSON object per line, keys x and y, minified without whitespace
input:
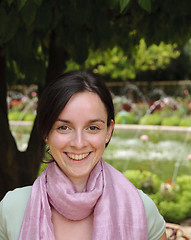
{"x":127,"y":149}
{"x":165,"y":154}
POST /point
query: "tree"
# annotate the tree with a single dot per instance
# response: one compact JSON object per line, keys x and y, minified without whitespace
{"x":115,"y":64}
{"x":38,"y":36}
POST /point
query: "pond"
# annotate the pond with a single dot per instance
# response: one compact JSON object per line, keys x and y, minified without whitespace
{"x":165,"y":153}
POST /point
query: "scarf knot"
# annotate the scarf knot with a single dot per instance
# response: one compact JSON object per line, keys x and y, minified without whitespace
{"x":66,"y":200}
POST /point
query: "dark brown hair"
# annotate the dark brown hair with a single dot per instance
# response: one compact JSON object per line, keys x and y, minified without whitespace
{"x":56,"y":95}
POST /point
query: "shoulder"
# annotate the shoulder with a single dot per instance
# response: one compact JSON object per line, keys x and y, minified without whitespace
{"x":155,"y":222}
{"x":12,"y":209}
{"x":16,"y":200}
{"x":18,"y":194}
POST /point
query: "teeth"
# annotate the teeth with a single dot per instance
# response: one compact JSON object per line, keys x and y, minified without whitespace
{"x":77,"y":156}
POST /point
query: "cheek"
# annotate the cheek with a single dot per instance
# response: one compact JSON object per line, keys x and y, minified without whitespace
{"x":98,"y":141}
{"x":57,"y":141}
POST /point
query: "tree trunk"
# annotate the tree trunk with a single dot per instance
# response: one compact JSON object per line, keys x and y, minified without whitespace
{"x":57,"y":59}
{"x":21,"y":168}
{"x":9,"y":168}
{"x":17,"y":168}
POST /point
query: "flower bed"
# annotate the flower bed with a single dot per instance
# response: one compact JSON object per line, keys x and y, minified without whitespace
{"x":22,"y":107}
{"x":166,"y":111}
{"x":172,"y":199}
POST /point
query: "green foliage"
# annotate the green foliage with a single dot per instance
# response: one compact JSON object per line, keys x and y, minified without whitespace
{"x":42,"y":168}
{"x":155,"y":56}
{"x":144,"y":180}
{"x":185,"y":122}
{"x":21,"y":116}
{"x":167,"y":193}
{"x":167,"y":111}
{"x":171,"y":121}
{"x":81,"y":27}
{"x":139,"y":109}
{"x":124,"y":117}
{"x":111,"y":62}
{"x":123,"y":4}
{"x":77,"y":28}
{"x":119,"y":65}
{"x":21,"y":4}
{"x":172,"y":200}
{"x":151,"y":119}
{"x":183,"y":183}
{"x":29,"y":117}
{"x":173,"y":212}
{"x":178,"y":207}
{"x":15,"y":115}
{"x":185,"y":200}
{"x":28,"y":11}
{"x":145,"y":4}
{"x":7,"y":28}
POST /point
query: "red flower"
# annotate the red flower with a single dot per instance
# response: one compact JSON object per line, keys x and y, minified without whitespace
{"x":15,"y":102}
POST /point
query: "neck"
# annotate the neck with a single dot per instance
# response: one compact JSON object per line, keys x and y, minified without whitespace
{"x":79,"y":183}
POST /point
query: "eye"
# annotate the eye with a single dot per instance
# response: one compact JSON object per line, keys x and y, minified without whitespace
{"x":93,"y":128}
{"x":63,"y":128}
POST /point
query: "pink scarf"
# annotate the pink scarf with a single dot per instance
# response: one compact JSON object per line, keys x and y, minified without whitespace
{"x":117,"y":207}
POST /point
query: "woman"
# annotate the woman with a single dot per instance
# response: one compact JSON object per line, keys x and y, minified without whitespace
{"x":78,"y":196}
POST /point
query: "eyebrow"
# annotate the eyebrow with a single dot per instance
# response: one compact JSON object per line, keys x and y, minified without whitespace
{"x":90,"y":121}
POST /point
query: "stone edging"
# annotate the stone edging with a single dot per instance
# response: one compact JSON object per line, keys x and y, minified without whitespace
{"x":152,"y":127}
{"x":132,"y":127}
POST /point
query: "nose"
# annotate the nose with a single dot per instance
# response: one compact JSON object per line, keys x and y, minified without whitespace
{"x":78,"y":140}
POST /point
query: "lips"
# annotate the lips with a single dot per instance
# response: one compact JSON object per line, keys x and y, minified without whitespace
{"x":77,"y":157}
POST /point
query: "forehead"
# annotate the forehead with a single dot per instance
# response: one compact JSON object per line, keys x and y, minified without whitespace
{"x":82,"y":103}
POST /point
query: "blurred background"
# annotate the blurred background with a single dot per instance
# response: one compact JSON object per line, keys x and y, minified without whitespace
{"x":142,"y":49}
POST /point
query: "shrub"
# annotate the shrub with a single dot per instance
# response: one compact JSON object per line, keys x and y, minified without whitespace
{"x":144,"y":180}
{"x":22,"y":116}
{"x":185,"y":199}
{"x":151,"y":119}
{"x":156,"y":197}
{"x":124,"y":117}
{"x":131,"y":119}
{"x":119,"y":165}
{"x":183,"y":183}
{"x":176,"y":206}
{"x":172,"y":200}
{"x":15,"y":116}
{"x":166,"y":112}
{"x":167,"y":192}
{"x":185,"y":122}
{"x":29,"y":117}
{"x":172,"y":211}
{"x":171,"y":121}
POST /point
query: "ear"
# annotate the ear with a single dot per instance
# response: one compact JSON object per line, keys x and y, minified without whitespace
{"x":110,"y":130}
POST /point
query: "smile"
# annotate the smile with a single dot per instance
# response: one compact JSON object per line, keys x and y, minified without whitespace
{"x":77,"y":156}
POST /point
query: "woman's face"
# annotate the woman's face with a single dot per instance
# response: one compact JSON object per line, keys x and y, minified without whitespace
{"x":78,"y":137}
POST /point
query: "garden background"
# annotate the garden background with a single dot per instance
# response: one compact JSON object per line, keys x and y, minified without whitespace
{"x":142,"y":48}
